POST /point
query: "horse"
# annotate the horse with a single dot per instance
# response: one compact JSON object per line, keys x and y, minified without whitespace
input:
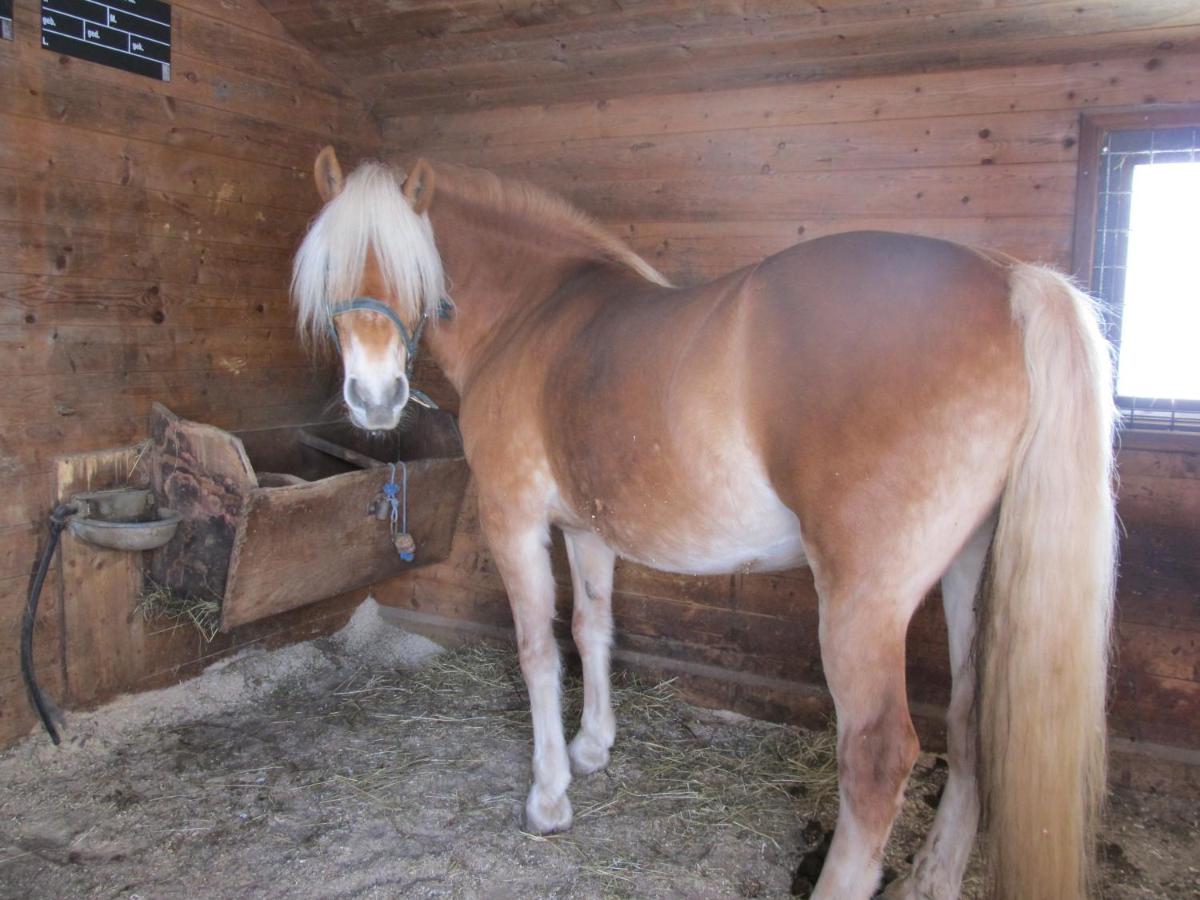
{"x":889,"y":410}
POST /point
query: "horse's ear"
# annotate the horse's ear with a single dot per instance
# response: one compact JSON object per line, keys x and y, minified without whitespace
{"x":327,"y":172}
{"x":418,"y":186}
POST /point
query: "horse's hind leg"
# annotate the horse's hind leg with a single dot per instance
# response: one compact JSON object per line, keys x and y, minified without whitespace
{"x":938,"y":868}
{"x":521,"y":554}
{"x":592,"y":626}
{"x":862,"y":649}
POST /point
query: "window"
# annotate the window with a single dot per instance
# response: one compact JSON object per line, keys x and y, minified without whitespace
{"x":1137,"y":248}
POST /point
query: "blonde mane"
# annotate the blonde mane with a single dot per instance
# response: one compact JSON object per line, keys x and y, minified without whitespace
{"x":542,"y":210}
{"x":370,"y":214}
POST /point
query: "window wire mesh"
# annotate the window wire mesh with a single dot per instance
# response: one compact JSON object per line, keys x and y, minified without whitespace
{"x":1120,"y":153}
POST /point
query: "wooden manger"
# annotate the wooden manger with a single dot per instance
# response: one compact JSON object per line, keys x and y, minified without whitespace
{"x":281,"y":517}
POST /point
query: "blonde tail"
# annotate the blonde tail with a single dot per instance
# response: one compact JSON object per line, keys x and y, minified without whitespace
{"x":1044,"y":629}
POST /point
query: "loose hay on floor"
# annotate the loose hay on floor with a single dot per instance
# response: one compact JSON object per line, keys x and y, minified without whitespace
{"x":371,"y":765}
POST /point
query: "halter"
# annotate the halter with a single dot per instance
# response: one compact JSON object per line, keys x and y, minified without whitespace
{"x":412,"y":339}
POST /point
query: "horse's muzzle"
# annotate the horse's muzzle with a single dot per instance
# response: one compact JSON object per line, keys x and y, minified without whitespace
{"x":377,"y":410}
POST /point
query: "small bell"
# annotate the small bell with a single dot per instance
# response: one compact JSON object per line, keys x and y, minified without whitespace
{"x":405,"y":545}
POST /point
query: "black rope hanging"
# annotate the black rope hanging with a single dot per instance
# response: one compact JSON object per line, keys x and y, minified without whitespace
{"x":46,"y":710}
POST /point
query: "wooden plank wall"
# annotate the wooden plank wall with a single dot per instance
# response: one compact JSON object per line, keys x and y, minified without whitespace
{"x":442,"y":56}
{"x":146,"y":231}
{"x":704,"y":182}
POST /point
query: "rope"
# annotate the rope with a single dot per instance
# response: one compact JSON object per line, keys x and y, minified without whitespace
{"x":397,"y":498}
{"x":46,"y":710}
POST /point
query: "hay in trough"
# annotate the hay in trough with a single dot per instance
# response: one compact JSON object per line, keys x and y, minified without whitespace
{"x":157,"y":602}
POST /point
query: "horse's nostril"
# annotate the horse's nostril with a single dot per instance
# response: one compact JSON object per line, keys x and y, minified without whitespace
{"x":353,"y":395}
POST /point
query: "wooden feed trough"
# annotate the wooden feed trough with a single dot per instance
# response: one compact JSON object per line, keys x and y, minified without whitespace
{"x":272,"y":519}
{"x":282,"y":517}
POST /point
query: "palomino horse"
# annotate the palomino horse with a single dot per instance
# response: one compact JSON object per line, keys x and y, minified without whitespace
{"x":888,"y":409}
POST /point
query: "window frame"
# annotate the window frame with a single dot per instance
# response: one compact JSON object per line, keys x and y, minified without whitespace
{"x":1094,"y":129}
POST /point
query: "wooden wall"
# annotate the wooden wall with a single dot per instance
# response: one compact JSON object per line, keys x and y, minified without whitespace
{"x":146,"y":231}
{"x":704,"y":182}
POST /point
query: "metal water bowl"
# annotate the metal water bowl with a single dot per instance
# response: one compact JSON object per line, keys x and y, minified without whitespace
{"x":122,"y":519}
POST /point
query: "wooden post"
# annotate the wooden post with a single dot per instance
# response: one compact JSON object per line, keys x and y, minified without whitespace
{"x":103,"y":639}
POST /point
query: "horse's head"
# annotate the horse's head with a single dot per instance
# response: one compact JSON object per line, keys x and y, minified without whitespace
{"x":368,"y":277}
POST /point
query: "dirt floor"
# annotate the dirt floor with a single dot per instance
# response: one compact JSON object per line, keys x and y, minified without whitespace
{"x":372,"y":765}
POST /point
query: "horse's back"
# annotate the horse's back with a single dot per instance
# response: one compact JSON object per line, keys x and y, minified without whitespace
{"x":892,"y":384}
{"x":887,"y":274}
{"x":887,"y":324}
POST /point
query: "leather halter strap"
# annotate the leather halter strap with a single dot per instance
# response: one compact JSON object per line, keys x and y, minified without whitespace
{"x":370,"y":304}
{"x":412,"y":339}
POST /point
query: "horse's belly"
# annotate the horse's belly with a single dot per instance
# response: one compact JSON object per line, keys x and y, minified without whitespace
{"x":684,"y":491}
{"x":744,"y":528}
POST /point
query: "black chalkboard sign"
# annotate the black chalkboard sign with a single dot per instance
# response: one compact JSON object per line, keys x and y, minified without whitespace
{"x":134,"y":35}
{"x":6,"y":19}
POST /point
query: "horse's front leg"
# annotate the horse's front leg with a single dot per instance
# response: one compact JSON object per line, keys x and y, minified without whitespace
{"x":521,"y":554}
{"x":592,"y":626}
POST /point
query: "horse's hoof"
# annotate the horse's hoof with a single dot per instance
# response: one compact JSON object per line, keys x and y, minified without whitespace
{"x":808,"y":872}
{"x":546,"y":816}
{"x":587,"y":754}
